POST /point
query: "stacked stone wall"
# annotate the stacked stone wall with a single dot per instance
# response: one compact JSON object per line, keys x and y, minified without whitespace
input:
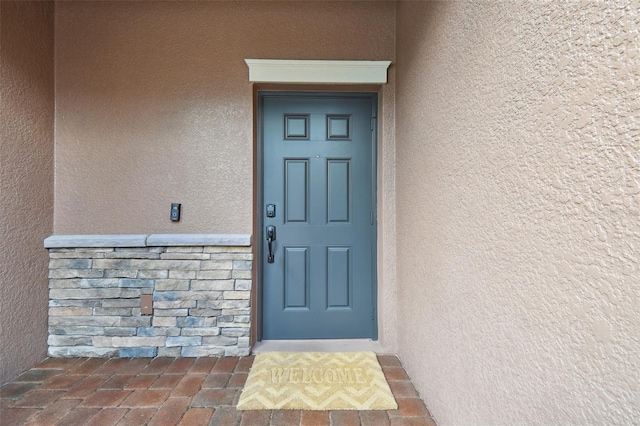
{"x":201,"y":301}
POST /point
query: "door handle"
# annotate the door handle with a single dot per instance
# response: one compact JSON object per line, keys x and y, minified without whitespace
{"x":271,"y":237}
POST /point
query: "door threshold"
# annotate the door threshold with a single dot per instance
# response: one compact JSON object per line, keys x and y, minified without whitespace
{"x":318,"y":345}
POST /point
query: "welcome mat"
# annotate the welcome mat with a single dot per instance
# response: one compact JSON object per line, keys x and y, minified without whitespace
{"x":316,"y":381}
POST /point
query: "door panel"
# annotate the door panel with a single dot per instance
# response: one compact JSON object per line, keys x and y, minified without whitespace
{"x":318,"y":171}
{"x":296,"y":278}
{"x":296,"y":190}
{"x":338,"y":278}
{"x":338,"y":200}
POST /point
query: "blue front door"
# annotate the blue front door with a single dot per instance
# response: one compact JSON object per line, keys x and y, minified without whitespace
{"x":318,"y":213}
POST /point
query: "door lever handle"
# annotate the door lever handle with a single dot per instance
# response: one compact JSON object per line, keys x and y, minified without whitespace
{"x":271,"y":237}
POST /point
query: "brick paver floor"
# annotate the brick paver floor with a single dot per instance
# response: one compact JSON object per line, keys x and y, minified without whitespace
{"x":172,"y":391}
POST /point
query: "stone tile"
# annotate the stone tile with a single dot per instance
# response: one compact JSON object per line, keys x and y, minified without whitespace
{"x":255,"y":417}
{"x":344,"y":418}
{"x":430,"y":422}
{"x":115,"y":342}
{"x":39,"y":398}
{"x":225,"y":365}
{"x":135,"y":366}
{"x":237,"y":397}
{"x":79,"y":416}
{"x":389,"y":361}
{"x":285,"y":417}
{"x":203,"y":365}
{"x":175,"y":341}
{"x":204,"y":350}
{"x":171,"y":352}
{"x":157,"y":366}
{"x":146,"y":398}
{"x":88,"y":367}
{"x":189,"y":386}
{"x":216,"y":381}
{"x":213,"y":398}
{"x":244,"y":364}
{"x":403,"y":389}
{"x":117,"y":381}
{"x":180,"y":365}
{"x":113,"y":366}
{"x":395,"y":373}
{"x":61,"y":382}
{"x":181,"y":275}
{"x":17,"y":416}
{"x":237,"y":380}
{"x":37,"y":375}
{"x":6,"y":403}
{"x":16,"y":390}
{"x":226,"y":416}
{"x":106,"y":398}
{"x":138,"y":416}
{"x":60,"y":363}
{"x":314,"y":418}
{"x":108,"y":417}
{"x":170,"y":412}
{"x":143,"y":381}
{"x":412,"y":421}
{"x":166,"y":381}
{"x":409,"y":407}
{"x":140,"y":352}
{"x":378,"y":418}
{"x":196,"y":417}
{"x":56,"y":411}
{"x":85,"y":387}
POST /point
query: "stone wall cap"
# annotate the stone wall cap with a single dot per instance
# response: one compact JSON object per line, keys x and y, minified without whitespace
{"x":158,"y":240}
{"x":73,"y":241}
{"x":142,"y":240}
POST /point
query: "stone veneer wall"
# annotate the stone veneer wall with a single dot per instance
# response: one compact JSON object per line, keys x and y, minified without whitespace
{"x":201,"y":297}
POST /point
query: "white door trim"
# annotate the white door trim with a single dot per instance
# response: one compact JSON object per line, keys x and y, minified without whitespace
{"x":317,"y":71}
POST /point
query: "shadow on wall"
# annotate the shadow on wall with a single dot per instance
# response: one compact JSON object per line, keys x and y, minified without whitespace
{"x":26,"y":181}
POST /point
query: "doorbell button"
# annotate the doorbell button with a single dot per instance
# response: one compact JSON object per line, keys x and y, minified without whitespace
{"x":175,"y":212}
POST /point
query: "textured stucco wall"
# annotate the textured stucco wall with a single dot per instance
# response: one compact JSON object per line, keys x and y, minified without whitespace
{"x":518,"y":203}
{"x":26,"y":181}
{"x":154,"y":104}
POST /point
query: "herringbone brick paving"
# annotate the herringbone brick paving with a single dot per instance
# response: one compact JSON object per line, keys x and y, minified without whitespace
{"x":174,"y":391}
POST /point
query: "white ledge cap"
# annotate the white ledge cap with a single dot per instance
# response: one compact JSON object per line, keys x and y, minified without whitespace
{"x":243,"y":240}
{"x":71,"y":241}
{"x":317,"y":71}
{"x":143,"y":240}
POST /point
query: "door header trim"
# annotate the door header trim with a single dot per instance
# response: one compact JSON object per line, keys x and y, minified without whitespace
{"x":317,"y":71}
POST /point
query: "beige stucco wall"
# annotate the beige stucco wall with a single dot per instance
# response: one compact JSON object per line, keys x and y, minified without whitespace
{"x":518,"y":202}
{"x":26,"y":181}
{"x":153,"y":106}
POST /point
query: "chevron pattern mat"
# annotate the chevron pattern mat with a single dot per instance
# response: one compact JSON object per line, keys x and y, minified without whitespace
{"x":316,"y":381}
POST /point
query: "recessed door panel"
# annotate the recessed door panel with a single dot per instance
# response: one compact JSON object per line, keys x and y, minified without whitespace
{"x":338,"y":190}
{"x":296,"y":190}
{"x":338,"y":278}
{"x":296,"y":127}
{"x":296,"y":279}
{"x":338,"y":127}
{"x":318,"y":179}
